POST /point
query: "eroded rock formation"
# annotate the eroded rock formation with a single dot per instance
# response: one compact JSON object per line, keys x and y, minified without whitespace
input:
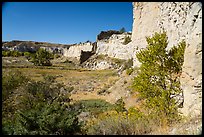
{"x":76,"y":52}
{"x":114,"y":46}
{"x":181,"y":20}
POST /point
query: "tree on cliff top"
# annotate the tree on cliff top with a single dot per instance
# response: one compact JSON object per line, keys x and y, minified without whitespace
{"x":122,"y":30}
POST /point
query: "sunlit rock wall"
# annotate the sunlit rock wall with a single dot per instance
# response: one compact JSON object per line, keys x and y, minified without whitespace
{"x":114,"y":47}
{"x":181,"y":20}
{"x":75,"y":51}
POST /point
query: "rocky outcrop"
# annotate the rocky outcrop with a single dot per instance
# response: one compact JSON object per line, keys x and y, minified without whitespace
{"x":181,"y":20}
{"x":107,"y":34}
{"x":98,"y":62}
{"x":76,"y":52}
{"x":114,"y":47}
{"x":21,"y":46}
{"x":191,"y":78}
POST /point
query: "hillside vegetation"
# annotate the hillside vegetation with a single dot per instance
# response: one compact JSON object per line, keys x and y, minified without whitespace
{"x":65,"y":99}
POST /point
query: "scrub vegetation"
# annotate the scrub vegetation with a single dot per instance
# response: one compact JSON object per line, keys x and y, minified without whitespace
{"x":49,"y":99}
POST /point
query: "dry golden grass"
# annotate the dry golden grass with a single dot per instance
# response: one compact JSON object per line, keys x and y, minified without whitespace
{"x":105,"y":82}
{"x":77,"y":74}
{"x":76,"y":78}
{"x":86,"y":83}
{"x":86,"y":96}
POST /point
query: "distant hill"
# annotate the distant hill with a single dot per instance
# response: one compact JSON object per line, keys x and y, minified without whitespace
{"x":31,"y":44}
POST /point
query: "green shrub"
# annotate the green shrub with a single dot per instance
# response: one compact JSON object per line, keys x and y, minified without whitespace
{"x":49,"y":78}
{"x":120,"y":105}
{"x":47,"y":119}
{"x":27,"y":53}
{"x":135,"y":113}
{"x":39,"y":108}
{"x":10,"y":81}
{"x":126,"y":40}
{"x":16,"y":53}
{"x":42,"y":58}
{"x":9,"y":53}
{"x":154,"y":81}
{"x":12,"y":53}
{"x":4,"y":53}
{"x":94,"y":106}
{"x":30,"y":56}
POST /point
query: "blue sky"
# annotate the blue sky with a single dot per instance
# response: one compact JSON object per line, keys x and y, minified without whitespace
{"x":63,"y":22}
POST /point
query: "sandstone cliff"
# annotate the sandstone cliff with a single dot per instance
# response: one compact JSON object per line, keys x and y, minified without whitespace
{"x":114,"y":47}
{"x":76,"y":51}
{"x":181,"y":20}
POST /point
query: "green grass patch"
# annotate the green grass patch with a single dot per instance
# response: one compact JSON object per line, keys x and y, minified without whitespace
{"x":94,"y":106}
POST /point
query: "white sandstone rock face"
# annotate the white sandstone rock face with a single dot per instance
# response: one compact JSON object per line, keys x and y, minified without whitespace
{"x":145,"y":18}
{"x":191,"y":79}
{"x":182,"y":21}
{"x":114,"y":47}
{"x":75,"y":51}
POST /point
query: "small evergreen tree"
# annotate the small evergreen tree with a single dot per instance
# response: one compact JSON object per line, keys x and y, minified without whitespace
{"x":42,"y":58}
{"x":122,"y":30}
{"x":154,"y":81}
